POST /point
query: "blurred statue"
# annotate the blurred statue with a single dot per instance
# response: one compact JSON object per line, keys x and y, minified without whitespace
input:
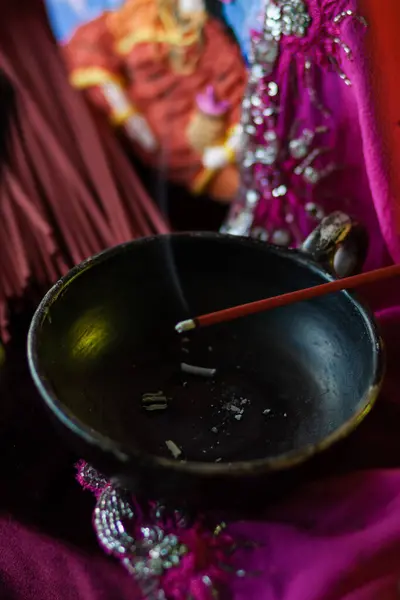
{"x":173,"y":79}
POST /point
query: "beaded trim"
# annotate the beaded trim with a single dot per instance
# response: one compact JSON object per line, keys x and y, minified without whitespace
{"x":283,"y":162}
{"x":169,"y":555}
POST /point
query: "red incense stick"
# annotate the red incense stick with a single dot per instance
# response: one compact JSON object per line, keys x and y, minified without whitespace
{"x":251,"y":308}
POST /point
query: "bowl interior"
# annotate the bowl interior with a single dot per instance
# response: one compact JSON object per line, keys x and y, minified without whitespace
{"x":285,"y":379}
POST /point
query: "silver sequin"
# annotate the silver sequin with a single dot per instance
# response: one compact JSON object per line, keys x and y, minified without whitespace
{"x":258,"y":72}
{"x":311,"y":175}
{"x":252,"y":197}
{"x":281,"y":237}
{"x":269,"y":111}
{"x":272,"y":89}
{"x":250,"y":130}
{"x":146,"y":558}
{"x":279,"y":191}
{"x":308,"y":160}
{"x":287,"y":17}
{"x":259,"y":233}
{"x":112,"y":510}
{"x":91,"y":478}
{"x":266,"y":155}
{"x":314,"y":176}
{"x":265,"y":53}
{"x":256,"y":100}
{"x":349,"y":14}
{"x":300,"y":146}
{"x":241,"y":224}
{"x":271,"y":149}
{"x":314,"y":210}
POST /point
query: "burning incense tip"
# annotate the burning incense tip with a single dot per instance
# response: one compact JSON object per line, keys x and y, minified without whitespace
{"x":183,"y":326}
{"x":202,"y":371}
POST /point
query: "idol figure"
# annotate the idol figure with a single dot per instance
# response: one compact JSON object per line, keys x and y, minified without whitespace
{"x":173,"y":79}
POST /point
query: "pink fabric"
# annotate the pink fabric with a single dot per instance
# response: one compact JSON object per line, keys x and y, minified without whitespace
{"x":335,"y":539}
{"x":35,"y":566}
{"x":338,"y":541}
{"x":349,"y":187}
{"x":359,"y":183}
{"x":373,"y":153}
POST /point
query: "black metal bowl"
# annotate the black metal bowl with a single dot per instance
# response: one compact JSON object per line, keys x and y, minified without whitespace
{"x":289,"y":382}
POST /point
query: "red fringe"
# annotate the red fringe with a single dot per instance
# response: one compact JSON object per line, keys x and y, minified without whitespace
{"x":68,"y":190}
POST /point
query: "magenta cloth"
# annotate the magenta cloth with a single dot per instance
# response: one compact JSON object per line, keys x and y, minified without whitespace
{"x":345,"y":132}
{"x":36,"y":566}
{"x":335,"y":539}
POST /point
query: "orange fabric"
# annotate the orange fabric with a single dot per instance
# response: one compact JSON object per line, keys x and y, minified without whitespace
{"x":159,"y":88}
{"x":135,"y":16}
{"x":139,"y":21}
{"x":225,"y":184}
{"x":92,"y":47}
{"x":383,"y":48}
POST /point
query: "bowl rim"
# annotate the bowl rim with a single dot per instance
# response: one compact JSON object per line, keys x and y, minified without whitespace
{"x":233,"y":469}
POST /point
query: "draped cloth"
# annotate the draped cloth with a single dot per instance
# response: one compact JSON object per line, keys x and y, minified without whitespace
{"x":67,"y":190}
{"x":337,"y":538}
{"x":383,"y":56}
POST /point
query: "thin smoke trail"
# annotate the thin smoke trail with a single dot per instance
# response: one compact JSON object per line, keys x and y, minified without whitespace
{"x":168,"y":254}
{"x":83,"y":8}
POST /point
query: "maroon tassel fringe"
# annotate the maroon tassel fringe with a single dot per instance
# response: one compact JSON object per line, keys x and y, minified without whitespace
{"x":67,"y":190}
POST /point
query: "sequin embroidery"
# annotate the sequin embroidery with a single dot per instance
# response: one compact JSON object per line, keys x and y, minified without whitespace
{"x":170,"y":556}
{"x":283,"y":161}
